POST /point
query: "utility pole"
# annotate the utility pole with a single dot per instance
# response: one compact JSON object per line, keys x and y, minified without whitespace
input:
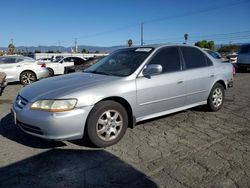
{"x":142,"y":34}
{"x":76,"y":49}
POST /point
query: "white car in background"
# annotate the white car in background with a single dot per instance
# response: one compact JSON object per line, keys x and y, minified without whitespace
{"x":58,"y":67}
{"x":45,"y":60}
{"x":23,"y":69}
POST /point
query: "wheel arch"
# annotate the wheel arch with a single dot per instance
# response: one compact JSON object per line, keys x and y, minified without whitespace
{"x":222,"y":83}
{"x":126,"y":105}
{"x":27,"y":70}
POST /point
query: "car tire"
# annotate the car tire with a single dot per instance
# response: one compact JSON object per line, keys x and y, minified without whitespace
{"x":27,"y":77}
{"x":216,"y":98}
{"x":107,"y":123}
{"x":51,"y":72}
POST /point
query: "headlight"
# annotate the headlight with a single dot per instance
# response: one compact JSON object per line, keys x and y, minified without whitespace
{"x":54,"y":105}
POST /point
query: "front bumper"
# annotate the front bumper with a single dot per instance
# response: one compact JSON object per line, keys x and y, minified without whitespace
{"x":52,"y":126}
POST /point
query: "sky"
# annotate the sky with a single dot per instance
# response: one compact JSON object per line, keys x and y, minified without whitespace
{"x":114,"y":22}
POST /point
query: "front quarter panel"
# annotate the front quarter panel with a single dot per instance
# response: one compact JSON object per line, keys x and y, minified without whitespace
{"x":122,"y":88}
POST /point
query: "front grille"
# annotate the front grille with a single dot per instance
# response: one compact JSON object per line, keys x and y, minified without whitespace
{"x":21,"y":102}
{"x":30,"y":128}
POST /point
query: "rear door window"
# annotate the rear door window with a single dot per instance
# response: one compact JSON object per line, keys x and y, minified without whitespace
{"x":193,"y":57}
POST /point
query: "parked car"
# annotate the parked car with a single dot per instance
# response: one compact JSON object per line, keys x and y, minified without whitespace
{"x":81,"y":67}
{"x":243,"y":61}
{"x":3,"y":82}
{"x":58,"y":67}
{"x":23,"y":69}
{"x":216,"y":55}
{"x":232,"y":57}
{"x":56,"y":58}
{"x":128,"y":86}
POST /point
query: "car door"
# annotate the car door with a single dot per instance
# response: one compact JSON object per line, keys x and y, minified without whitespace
{"x":199,"y":74}
{"x":10,"y":67}
{"x":163,"y":92}
{"x":68,"y":61}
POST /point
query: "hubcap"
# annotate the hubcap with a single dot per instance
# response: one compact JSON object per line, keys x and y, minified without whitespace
{"x":217,"y":97}
{"x":28,"y":78}
{"x":109,"y":125}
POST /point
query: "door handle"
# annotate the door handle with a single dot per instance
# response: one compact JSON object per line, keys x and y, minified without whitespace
{"x":180,"y":81}
{"x":18,"y":66}
{"x":212,"y":75}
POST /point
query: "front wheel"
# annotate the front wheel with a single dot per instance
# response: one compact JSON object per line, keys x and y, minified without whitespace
{"x":107,"y":123}
{"x":216,"y":98}
{"x":27,"y":77}
{"x":51,"y":72}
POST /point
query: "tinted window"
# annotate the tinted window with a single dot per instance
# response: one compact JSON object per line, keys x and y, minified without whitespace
{"x":244,"y":49}
{"x":79,"y":61}
{"x":208,"y":61}
{"x":19,"y":60}
{"x":193,"y":57}
{"x":67,"y":59}
{"x":168,"y":58}
{"x":7,"y":60}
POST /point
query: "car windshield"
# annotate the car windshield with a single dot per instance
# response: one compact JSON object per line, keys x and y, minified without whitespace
{"x":121,"y":63}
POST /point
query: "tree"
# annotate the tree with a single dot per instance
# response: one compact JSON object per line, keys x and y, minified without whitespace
{"x":205,"y":44}
{"x":85,"y":51}
{"x":97,"y":52}
{"x":11,"y":49}
{"x":186,"y":38}
{"x":228,"y":48}
{"x":130,"y":43}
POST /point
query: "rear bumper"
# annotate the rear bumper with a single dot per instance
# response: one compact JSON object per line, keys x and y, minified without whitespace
{"x":42,"y":73}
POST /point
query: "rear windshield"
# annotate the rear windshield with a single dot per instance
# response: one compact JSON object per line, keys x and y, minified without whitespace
{"x":245,"y":49}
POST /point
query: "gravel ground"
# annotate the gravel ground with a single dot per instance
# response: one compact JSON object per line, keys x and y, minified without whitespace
{"x":193,"y":148}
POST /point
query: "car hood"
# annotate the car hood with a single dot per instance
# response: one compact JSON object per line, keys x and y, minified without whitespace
{"x":63,"y":86}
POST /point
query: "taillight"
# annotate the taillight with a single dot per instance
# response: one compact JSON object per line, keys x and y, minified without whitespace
{"x":43,"y":65}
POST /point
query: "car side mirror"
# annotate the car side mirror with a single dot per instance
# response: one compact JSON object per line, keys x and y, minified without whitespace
{"x":151,"y":70}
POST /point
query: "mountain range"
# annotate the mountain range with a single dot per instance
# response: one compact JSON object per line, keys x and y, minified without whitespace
{"x":64,"y":49}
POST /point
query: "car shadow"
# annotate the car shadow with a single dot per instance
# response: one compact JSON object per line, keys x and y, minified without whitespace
{"x":73,"y":168}
{"x":14,"y":133}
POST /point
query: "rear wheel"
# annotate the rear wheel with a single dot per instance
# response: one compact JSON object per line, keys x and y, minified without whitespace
{"x":107,"y":123}
{"x":216,"y":98}
{"x":27,"y":77}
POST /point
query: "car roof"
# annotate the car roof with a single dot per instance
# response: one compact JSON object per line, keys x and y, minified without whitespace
{"x":157,"y":46}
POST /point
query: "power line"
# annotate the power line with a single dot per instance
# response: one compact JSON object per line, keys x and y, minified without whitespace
{"x":207,"y":9}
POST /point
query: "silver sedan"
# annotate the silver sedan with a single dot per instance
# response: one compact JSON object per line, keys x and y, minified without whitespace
{"x":128,"y":86}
